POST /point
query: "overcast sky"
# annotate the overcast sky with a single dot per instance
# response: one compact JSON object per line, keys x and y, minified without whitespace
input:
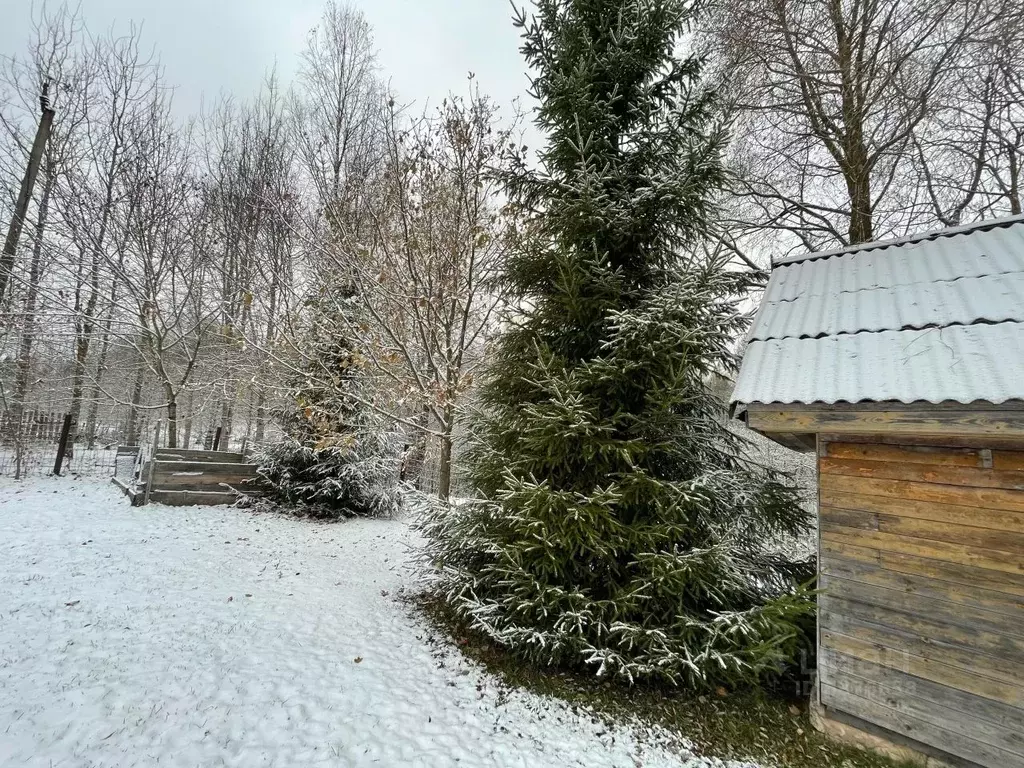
{"x":427,"y":47}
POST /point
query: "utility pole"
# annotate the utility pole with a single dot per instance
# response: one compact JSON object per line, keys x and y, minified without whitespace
{"x":27,"y":183}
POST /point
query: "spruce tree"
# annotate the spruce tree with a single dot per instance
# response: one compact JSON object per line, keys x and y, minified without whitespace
{"x":335,"y":459}
{"x":617,"y":524}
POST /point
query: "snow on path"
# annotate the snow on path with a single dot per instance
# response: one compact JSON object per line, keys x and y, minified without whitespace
{"x":211,"y":636}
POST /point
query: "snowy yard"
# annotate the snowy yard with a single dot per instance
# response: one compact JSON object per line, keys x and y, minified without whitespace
{"x":212,"y":636}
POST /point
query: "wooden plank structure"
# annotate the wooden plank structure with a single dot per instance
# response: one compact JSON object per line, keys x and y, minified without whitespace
{"x":921,"y":617}
{"x":180,"y":477}
{"x":920,"y":498}
{"x":189,"y":477}
{"x":921,"y":563}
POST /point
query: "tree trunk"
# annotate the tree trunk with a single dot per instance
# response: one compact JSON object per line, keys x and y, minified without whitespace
{"x":172,"y":417}
{"x":35,"y":158}
{"x":227,"y":415}
{"x":1014,"y":191}
{"x":24,"y":365}
{"x":858,"y":185}
{"x":83,"y":339}
{"x":861,"y":228}
{"x":78,"y":386}
{"x":86,"y":325}
{"x":186,"y":439}
{"x":132,"y":428}
{"x":101,"y":365}
{"x":444,"y":481}
{"x":92,"y":417}
{"x":416,"y":455}
{"x":261,"y":414}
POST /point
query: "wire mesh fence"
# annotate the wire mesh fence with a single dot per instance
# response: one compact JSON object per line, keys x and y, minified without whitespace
{"x":37,"y":460}
{"x":31,"y":449}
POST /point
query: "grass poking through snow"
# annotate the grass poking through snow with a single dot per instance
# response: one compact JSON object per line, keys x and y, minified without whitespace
{"x":747,"y":726}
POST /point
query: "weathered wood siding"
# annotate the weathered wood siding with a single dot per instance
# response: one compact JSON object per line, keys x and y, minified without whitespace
{"x":198,"y":477}
{"x":953,"y":420}
{"x":921,"y":621}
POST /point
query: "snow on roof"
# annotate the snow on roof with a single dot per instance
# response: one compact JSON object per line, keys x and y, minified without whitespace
{"x":935,"y":317}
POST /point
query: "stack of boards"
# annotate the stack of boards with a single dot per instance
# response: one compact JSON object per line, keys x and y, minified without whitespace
{"x":188,"y":477}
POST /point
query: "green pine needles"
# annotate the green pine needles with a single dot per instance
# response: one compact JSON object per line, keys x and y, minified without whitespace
{"x":616,"y":523}
{"x":334,"y":459}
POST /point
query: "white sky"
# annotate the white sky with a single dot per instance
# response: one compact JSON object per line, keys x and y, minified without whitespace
{"x":427,"y":47}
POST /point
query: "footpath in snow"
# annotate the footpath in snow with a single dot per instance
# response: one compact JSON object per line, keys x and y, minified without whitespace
{"x":212,"y":636}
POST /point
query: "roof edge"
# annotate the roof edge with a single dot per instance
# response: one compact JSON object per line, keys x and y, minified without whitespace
{"x":977,"y":226}
{"x":1009,"y":403}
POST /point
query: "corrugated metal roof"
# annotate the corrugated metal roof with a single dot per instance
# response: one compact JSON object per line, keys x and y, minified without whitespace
{"x":837,"y":327}
{"x":992,"y":298}
{"x":977,"y":226}
{"x":961,"y":363}
{"x":995,"y":252}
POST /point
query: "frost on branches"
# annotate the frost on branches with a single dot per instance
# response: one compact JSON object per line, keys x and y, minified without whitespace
{"x":616,"y":524}
{"x":336,"y":459}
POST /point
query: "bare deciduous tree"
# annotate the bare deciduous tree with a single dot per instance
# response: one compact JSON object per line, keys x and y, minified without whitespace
{"x":249,"y":197}
{"x":427,"y":275}
{"x":122,"y":86}
{"x":177,"y":272}
{"x":336,"y":113}
{"x":830,"y":98}
{"x":55,"y":76}
{"x":165,"y":309}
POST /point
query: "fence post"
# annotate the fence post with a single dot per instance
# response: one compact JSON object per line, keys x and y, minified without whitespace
{"x":62,"y":446}
{"x":152,"y":465}
{"x":216,"y":439}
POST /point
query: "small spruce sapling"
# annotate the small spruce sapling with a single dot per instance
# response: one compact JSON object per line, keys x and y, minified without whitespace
{"x":336,"y":459}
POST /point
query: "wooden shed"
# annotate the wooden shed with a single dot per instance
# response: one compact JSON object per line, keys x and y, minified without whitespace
{"x":901,"y":364}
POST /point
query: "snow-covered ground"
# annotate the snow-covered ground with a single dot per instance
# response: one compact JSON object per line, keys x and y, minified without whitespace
{"x":211,"y":636}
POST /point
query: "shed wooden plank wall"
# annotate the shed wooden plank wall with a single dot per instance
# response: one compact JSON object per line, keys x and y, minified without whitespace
{"x":921,"y":621}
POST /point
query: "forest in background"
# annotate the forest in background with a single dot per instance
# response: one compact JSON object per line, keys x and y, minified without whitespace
{"x":175,"y":269}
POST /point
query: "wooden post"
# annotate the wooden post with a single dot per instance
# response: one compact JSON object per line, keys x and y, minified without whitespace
{"x":216,"y":439}
{"x":28,"y":181}
{"x":62,"y":446}
{"x":152,"y":465}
